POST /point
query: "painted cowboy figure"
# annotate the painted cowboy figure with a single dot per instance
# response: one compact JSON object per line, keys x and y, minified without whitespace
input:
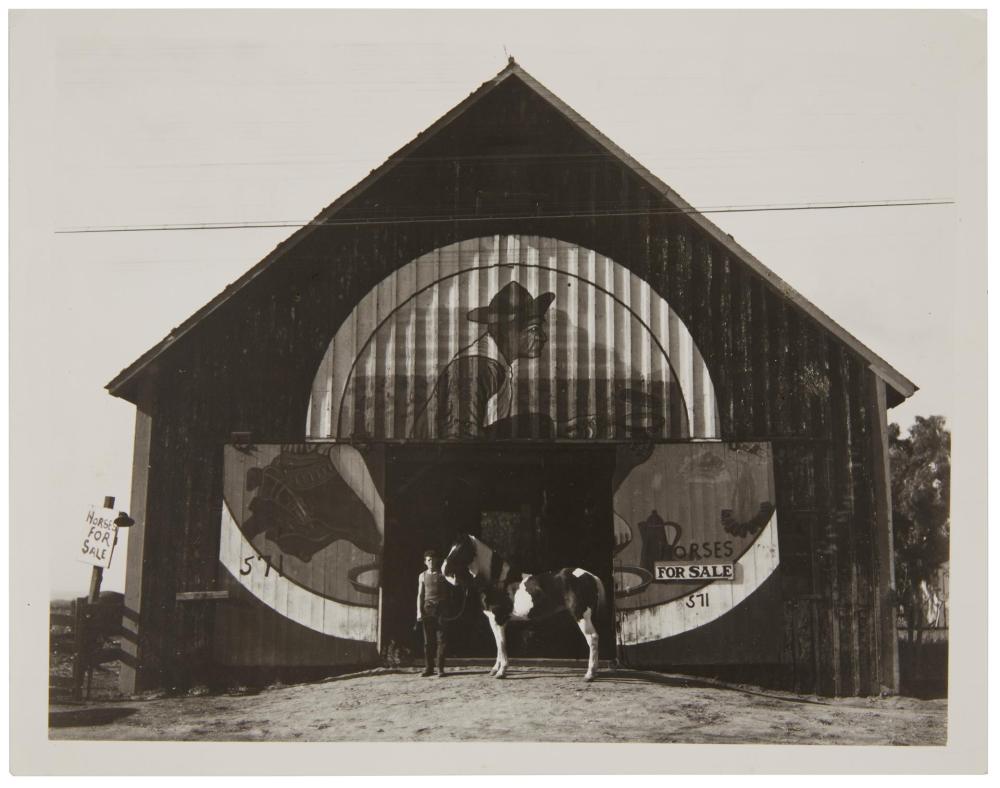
{"x":474,"y":392}
{"x":474,"y":397}
{"x":432,"y":595}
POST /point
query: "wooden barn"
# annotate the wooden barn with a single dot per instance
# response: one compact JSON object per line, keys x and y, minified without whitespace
{"x":512,"y":329}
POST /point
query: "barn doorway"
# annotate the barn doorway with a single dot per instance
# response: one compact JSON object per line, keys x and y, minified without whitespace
{"x":541,"y":507}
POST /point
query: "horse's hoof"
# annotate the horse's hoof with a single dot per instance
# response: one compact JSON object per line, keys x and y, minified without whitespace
{"x":589,"y":677}
{"x":493,"y":671}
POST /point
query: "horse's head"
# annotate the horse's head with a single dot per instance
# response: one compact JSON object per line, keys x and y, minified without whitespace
{"x":460,"y":567}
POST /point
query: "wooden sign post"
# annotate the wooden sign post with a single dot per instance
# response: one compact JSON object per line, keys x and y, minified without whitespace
{"x":97,"y":548}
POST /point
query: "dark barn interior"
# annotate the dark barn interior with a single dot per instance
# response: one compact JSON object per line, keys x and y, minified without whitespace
{"x":541,"y":508}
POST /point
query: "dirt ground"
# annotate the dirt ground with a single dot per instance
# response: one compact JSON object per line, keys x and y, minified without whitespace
{"x":532,"y":704}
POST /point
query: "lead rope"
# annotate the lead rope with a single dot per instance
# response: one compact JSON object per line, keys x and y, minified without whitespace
{"x":461,"y":610}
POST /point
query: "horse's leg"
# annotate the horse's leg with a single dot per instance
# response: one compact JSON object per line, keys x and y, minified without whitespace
{"x":589,"y":631}
{"x":497,"y":635}
{"x":502,"y":650}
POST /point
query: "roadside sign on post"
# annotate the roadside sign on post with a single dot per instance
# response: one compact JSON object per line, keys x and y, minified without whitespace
{"x":98,"y":537}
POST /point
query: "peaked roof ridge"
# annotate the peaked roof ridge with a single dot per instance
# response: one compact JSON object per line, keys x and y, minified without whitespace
{"x":900,"y":383}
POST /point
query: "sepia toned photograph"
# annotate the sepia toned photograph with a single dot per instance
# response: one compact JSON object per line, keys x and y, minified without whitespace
{"x":498,"y":377}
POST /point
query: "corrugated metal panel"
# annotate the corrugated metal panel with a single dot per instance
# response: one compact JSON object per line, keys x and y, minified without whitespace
{"x":419,"y":358}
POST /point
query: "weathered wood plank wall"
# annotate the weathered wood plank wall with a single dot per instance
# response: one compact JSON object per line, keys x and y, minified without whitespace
{"x":512,"y":165}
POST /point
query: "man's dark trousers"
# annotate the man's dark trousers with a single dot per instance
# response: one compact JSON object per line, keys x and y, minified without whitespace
{"x":435,"y":641}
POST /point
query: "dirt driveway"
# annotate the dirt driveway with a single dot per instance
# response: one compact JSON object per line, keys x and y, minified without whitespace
{"x":532,"y":704}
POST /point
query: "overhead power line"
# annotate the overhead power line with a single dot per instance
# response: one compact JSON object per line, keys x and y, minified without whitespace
{"x":596,"y":214}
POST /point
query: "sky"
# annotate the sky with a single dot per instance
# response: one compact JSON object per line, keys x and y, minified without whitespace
{"x":124,"y":120}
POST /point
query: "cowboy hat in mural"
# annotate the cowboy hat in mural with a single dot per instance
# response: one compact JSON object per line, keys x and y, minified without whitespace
{"x":512,"y":304}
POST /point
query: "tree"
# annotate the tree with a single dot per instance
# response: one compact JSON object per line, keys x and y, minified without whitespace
{"x":921,"y":497}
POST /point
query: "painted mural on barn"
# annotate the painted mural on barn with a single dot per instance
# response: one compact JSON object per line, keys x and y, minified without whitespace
{"x":507,"y":337}
{"x":512,"y":337}
{"x":302,"y":530}
{"x":695,"y":534}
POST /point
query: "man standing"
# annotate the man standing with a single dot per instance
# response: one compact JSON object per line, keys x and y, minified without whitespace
{"x":431,"y":594}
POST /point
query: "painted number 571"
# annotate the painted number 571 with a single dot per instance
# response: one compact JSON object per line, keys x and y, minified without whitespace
{"x":248,"y":562}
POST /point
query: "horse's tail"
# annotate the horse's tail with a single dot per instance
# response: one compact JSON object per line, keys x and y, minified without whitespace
{"x":602,"y":599}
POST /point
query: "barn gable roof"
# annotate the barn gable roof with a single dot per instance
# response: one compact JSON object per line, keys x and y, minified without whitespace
{"x":901,"y":387}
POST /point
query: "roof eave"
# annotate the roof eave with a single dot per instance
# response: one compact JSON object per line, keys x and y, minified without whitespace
{"x":896,"y":380}
{"x":120,"y":385}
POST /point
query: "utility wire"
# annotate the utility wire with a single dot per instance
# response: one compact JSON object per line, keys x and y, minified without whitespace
{"x":384,"y":220}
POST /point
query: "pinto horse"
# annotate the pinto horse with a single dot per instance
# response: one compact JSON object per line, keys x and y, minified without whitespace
{"x":507,"y":595}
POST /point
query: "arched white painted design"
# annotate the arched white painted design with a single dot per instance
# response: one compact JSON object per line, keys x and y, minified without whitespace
{"x":684,"y":504}
{"x":301,"y":605}
{"x":615,"y":362}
